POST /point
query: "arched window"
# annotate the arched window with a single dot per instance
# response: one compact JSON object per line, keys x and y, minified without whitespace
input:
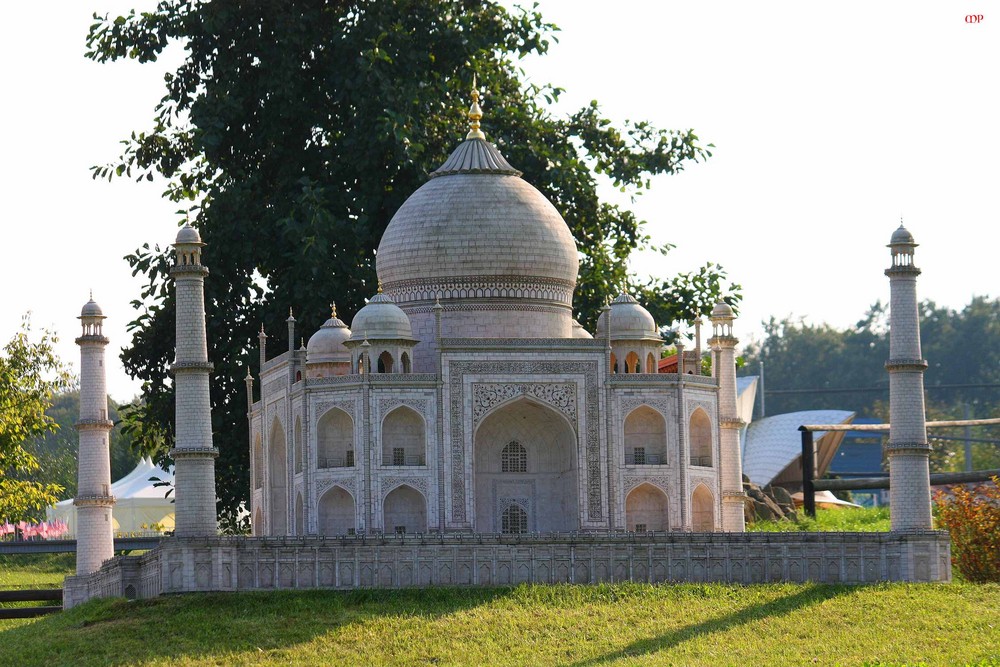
{"x":614,"y":363}
{"x":651,"y":363}
{"x":632,"y":363}
{"x":404,"y":360}
{"x":514,"y":520}
{"x":385,"y":362}
{"x":701,"y":439}
{"x":514,"y":458}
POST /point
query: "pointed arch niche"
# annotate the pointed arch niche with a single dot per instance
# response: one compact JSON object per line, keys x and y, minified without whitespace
{"x":645,"y":437}
{"x":646,"y":509}
{"x":702,"y":510}
{"x":335,"y":439}
{"x":404,"y":511}
{"x":700,"y":431}
{"x":277,"y":480}
{"x":403,"y":438}
{"x":335,"y":512}
{"x":299,"y":518}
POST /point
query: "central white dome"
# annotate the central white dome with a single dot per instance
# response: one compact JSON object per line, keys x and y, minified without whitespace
{"x":477,"y":224}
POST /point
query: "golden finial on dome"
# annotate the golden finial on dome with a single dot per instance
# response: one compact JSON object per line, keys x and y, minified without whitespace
{"x":475,"y":114}
{"x":379,"y":290}
{"x":333,"y":309}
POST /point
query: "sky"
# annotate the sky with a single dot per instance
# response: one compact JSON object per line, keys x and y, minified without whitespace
{"x":830,"y":121}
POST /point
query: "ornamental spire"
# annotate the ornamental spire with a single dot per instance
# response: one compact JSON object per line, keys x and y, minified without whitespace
{"x":475,"y":114}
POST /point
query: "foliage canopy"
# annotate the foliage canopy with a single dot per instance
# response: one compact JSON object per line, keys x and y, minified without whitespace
{"x":30,"y":374}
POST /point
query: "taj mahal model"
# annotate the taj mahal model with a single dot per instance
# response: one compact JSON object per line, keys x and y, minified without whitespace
{"x":465,"y":397}
{"x":466,"y":430}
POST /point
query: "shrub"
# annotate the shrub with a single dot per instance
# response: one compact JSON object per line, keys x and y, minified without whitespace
{"x":972,"y":517}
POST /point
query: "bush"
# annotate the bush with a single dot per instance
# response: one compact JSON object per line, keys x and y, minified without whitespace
{"x":972,"y":517}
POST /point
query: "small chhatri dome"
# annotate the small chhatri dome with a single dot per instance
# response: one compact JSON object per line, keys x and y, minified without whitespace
{"x":902,"y":236}
{"x":327,"y":344}
{"x":629,"y":321}
{"x":91,"y":309}
{"x":188,"y":234}
{"x":381,"y":319}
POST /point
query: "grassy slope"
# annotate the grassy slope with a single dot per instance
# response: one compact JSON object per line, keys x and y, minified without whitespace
{"x":623,"y":624}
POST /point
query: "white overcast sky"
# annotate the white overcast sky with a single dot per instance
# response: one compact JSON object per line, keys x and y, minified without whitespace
{"x":830,"y":121}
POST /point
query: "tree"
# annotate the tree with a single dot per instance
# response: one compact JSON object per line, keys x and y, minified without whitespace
{"x":293,"y":131}
{"x":30,"y":373}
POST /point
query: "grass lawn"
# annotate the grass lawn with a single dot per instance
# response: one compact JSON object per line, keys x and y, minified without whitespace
{"x":622,"y":624}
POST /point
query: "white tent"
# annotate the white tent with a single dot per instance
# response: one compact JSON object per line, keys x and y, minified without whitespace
{"x":139,"y":506}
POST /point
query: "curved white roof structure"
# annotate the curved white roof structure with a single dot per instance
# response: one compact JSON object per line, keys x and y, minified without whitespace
{"x":774,"y":445}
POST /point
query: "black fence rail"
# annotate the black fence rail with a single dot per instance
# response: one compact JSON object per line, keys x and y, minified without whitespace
{"x":30,"y":595}
{"x":69,"y":546}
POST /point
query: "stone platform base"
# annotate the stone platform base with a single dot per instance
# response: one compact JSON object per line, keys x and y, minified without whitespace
{"x":180,"y":565}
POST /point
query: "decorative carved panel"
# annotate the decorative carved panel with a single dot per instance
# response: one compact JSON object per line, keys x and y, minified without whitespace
{"x":486,"y":396}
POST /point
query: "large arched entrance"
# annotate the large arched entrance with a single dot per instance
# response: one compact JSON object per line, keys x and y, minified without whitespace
{"x":277,"y":485}
{"x":335,"y":513}
{"x":404,"y":510}
{"x":646,"y":509}
{"x":526,"y":456}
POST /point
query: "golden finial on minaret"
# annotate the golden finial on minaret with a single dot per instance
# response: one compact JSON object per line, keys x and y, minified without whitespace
{"x":379,"y":290}
{"x":333,"y":309}
{"x":475,"y":114}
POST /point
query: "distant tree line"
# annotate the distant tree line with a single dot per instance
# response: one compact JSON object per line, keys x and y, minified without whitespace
{"x":811,"y":367}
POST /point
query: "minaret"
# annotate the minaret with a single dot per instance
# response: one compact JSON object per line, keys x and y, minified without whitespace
{"x":95,"y":538}
{"x":908,"y":449}
{"x":193,"y":453}
{"x":730,"y":464}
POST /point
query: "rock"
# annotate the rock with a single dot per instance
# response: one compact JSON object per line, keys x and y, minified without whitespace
{"x":780,"y":495}
{"x":756,"y":494}
{"x":763,"y":511}
{"x":749,"y":516}
{"x":773,"y":506}
{"x":746,"y":480}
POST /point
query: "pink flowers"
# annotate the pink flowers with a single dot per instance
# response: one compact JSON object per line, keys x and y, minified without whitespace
{"x":46,"y":530}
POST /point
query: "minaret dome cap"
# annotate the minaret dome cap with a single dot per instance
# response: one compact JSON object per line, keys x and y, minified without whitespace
{"x":902,"y":236}
{"x":188,"y":234}
{"x":91,"y":309}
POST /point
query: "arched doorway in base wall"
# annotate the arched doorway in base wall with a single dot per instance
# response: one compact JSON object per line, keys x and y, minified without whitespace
{"x":335,"y":513}
{"x":702,"y":510}
{"x":404,"y":510}
{"x":646,"y":509}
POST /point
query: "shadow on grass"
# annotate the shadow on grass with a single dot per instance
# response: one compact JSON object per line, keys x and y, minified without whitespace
{"x":216,"y":625}
{"x":780,"y":607}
